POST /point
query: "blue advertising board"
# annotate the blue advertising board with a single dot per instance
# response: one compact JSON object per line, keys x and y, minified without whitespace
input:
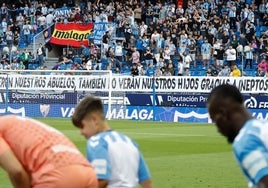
{"x":145,"y":113}
{"x":39,"y":98}
{"x":189,"y":100}
{"x":176,"y":100}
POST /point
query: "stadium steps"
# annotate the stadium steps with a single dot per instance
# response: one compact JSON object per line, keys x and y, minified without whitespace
{"x":50,"y":62}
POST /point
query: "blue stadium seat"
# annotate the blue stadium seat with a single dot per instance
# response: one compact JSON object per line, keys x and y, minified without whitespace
{"x":22,"y":45}
{"x":69,"y":66}
{"x":78,"y":59}
{"x":258,"y":33}
{"x":35,"y":66}
{"x":195,"y":73}
{"x":263,"y":28}
{"x":30,"y":66}
{"x":31,"y":37}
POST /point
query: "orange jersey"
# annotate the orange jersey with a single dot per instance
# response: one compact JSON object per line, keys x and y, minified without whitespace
{"x":39,"y":147}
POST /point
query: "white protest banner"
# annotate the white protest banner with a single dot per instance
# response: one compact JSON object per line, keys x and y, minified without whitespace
{"x":129,"y":83}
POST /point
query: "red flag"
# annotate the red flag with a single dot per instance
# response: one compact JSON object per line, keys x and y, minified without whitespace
{"x":72,"y":34}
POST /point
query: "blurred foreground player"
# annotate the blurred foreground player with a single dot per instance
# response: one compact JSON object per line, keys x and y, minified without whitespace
{"x":38,"y":156}
{"x":248,"y":136}
{"x":115,"y":157}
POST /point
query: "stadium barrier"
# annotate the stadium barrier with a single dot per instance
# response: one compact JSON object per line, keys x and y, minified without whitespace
{"x":41,"y":93}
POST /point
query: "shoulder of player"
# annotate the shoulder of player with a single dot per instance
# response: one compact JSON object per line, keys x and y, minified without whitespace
{"x":251,"y":133}
{"x":8,"y":118}
{"x":109,"y":136}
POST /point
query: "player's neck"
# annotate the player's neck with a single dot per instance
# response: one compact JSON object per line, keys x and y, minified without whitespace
{"x":104,"y":126}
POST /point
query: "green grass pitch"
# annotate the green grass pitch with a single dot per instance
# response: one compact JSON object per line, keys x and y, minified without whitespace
{"x":179,"y":155}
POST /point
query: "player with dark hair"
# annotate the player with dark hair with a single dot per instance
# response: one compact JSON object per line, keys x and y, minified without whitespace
{"x":116,"y":158}
{"x":38,"y":156}
{"x":248,"y":136}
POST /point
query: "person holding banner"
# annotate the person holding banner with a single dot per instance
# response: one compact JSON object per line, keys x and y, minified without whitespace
{"x":248,"y":136}
{"x":35,"y":155}
{"x":116,"y":158}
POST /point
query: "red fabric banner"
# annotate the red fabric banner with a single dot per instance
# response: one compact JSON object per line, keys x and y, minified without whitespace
{"x":72,"y":34}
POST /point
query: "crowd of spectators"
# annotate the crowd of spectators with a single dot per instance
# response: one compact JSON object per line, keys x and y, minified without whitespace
{"x":205,"y":37}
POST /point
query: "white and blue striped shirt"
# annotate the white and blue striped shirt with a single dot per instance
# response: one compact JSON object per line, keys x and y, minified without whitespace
{"x":251,"y":150}
{"x":117,"y":159}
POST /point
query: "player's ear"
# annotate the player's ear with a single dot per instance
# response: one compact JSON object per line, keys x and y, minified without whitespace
{"x":94,"y":117}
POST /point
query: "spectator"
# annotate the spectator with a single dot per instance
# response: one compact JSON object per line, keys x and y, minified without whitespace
{"x":41,"y":22}
{"x":249,"y":55}
{"x":224,"y":71}
{"x":230,"y":55}
{"x":118,"y":51}
{"x":170,"y":68}
{"x":235,"y":72}
{"x":49,"y":18}
{"x":186,"y":59}
{"x":21,"y":65}
{"x":150,"y":70}
{"x":148,"y":56}
{"x":192,"y":49}
{"x":3,"y":10}
{"x":260,"y":73}
{"x":9,"y":37}
{"x":214,"y":71}
{"x":180,"y":67}
{"x":134,"y":70}
{"x":41,"y":55}
{"x":135,"y":57}
{"x":220,"y":57}
{"x":206,"y":53}
{"x":25,"y":58}
{"x":263,"y":66}
{"x":158,"y":72}
{"x":110,"y":151}
{"x":166,"y":54}
{"x":26,"y":29}
{"x":20,"y":20}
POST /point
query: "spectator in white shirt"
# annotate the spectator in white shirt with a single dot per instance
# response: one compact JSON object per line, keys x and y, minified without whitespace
{"x":230,"y":55}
